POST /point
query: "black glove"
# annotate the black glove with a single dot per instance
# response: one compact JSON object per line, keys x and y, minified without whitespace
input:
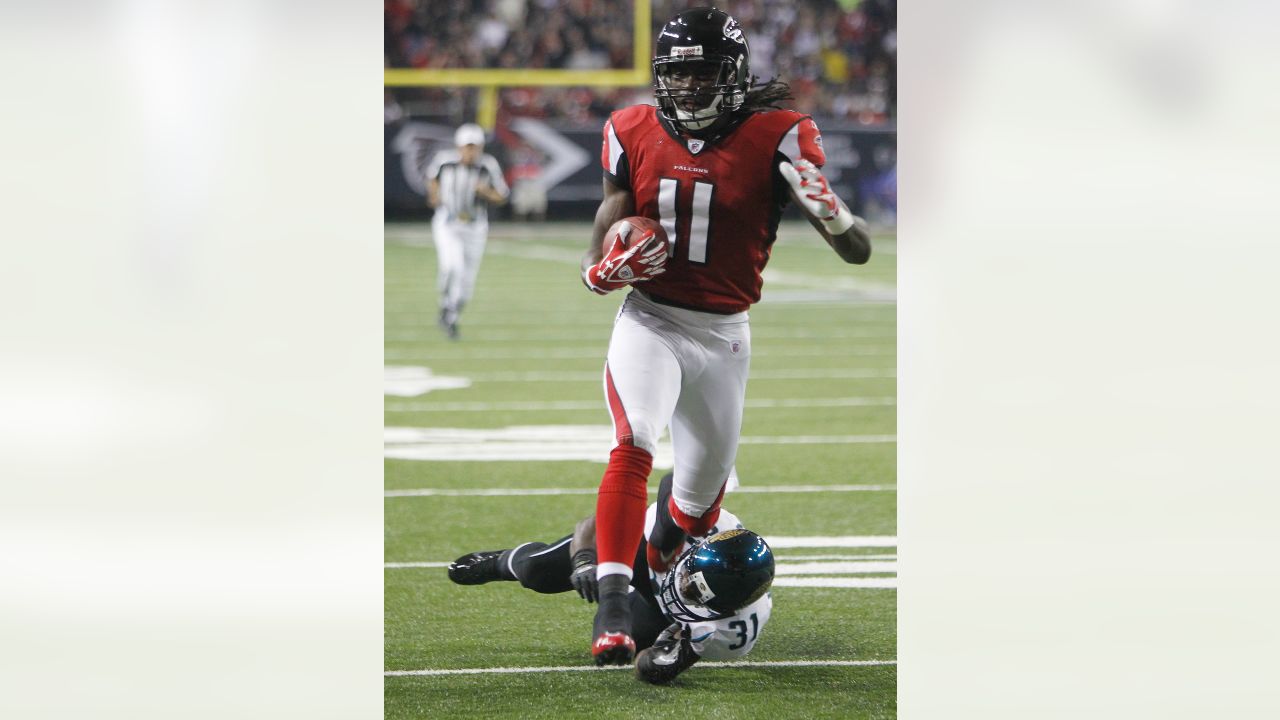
{"x":671,"y":654}
{"x":584,"y":574}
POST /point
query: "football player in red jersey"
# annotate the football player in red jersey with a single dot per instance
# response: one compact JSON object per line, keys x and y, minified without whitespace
{"x":715,"y":162}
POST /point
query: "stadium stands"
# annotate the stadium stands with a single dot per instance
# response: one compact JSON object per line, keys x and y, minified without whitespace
{"x":838,"y":55}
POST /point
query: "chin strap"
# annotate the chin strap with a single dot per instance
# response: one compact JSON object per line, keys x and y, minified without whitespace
{"x":712,"y":133}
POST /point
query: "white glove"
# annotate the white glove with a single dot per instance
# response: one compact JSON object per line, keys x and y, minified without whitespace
{"x":815,"y":194}
{"x":623,"y":265}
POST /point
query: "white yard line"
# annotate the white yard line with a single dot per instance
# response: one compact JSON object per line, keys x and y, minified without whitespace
{"x":487,"y":492}
{"x":791,"y":233}
{"x":601,"y":334}
{"x":817,"y":439}
{"x":465,"y":352}
{"x":594,"y":375}
{"x":505,"y":405}
{"x":778,"y":542}
{"x":521,"y":443}
{"x":526,"y":492}
{"x":885,"y":583}
{"x":412,"y":319}
{"x":813,"y":488}
{"x":805,"y":558}
{"x":408,"y":304}
{"x":529,"y":251}
{"x":520,"y":246}
{"x":598,"y":405}
{"x":846,"y":566}
{"x":593,"y":668}
{"x":774,"y":278}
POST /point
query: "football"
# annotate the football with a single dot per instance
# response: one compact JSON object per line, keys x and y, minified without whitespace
{"x":633,"y":230}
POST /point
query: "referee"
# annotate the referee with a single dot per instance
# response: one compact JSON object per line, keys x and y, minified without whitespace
{"x":460,"y":183}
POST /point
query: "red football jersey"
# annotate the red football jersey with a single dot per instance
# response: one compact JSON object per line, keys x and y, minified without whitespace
{"x":719,"y":203}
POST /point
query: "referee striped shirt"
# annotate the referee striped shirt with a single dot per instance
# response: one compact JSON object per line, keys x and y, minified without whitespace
{"x":458,"y":184}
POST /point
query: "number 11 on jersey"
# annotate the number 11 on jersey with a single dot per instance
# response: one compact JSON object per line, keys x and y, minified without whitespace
{"x":699,"y":216}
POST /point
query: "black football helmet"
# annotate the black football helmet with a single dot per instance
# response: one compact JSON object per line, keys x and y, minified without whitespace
{"x":718,"y":577}
{"x":711,"y":40}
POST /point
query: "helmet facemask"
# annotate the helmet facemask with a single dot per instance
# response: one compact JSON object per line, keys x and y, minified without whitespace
{"x":684,"y":592}
{"x":715,"y":87}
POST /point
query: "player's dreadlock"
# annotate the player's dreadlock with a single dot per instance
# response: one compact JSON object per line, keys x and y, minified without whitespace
{"x":768,"y":95}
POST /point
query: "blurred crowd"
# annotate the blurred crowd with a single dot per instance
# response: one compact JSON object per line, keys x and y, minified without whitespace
{"x":570,"y":34}
{"x":839,"y":56}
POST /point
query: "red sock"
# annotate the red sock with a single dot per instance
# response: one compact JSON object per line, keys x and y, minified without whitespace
{"x":620,"y":505}
{"x":700,"y":525}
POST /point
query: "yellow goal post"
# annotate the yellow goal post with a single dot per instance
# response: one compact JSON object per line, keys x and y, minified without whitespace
{"x":488,"y":81}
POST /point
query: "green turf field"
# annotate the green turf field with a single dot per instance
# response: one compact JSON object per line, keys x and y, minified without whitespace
{"x":464,"y":418}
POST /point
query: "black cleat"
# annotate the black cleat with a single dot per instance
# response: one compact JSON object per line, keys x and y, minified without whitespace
{"x":670,"y":655}
{"x":611,"y":632}
{"x":476,"y":568}
{"x":448,"y":322}
{"x":659,"y":668}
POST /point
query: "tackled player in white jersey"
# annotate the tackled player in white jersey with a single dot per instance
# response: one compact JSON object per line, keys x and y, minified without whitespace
{"x":712,"y":604}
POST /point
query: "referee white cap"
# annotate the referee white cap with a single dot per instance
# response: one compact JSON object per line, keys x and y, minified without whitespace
{"x":469,"y":134}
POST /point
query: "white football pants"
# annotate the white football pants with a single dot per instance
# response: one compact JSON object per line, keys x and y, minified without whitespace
{"x":459,"y":248}
{"x":688,"y":369}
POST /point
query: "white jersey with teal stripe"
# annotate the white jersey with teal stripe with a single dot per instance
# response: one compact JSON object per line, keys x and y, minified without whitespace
{"x":727,"y":638}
